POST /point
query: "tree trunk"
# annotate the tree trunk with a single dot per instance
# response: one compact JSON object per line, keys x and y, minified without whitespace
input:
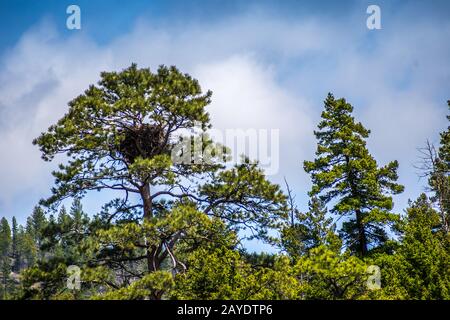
{"x":362,"y":241}
{"x":153,"y":261}
{"x":147,"y":201}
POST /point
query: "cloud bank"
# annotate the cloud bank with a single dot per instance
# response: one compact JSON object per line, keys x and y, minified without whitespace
{"x":264,"y":71}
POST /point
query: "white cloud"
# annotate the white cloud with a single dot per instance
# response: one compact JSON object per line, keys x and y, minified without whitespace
{"x":265,"y":72}
{"x":50,"y":71}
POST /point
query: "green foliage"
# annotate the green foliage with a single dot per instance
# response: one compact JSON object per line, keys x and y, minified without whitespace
{"x":440,"y":179}
{"x":128,"y":119}
{"x":36,"y":224}
{"x":308,"y":230}
{"x":419,"y":269}
{"x":156,"y":282}
{"x":345,"y":174}
{"x":217,"y":273}
{"x":175,"y":230}
{"x":328,"y":274}
{"x":44,"y":281}
{"x":5,"y":254}
{"x":244,"y":194}
{"x":222,"y":273}
{"x":62,"y":236}
{"x":444,"y":150}
{"x":5,"y":238}
{"x":124,"y":134}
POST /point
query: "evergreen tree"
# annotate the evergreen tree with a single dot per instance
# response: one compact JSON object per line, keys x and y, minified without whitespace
{"x":63,"y":219}
{"x":15,"y":246}
{"x":36,"y":224}
{"x":419,"y":269}
{"x":5,"y":238}
{"x":444,"y":150}
{"x":5,"y":254}
{"x":329,"y":274}
{"x":125,"y":134}
{"x":217,"y":270}
{"x":435,"y":165}
{"x":440,"y":179}
{"x":346,"y":175}
{"x":308,"y":230}
{"x":79,"y":219}
{"x":31,"y":248}
{"x":39,"y":222}
{"x":23,"y":250}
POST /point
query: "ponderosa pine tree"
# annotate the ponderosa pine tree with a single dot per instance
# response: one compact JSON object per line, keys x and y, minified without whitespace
{"x":346,"y":175}
{"x":122,"y":134}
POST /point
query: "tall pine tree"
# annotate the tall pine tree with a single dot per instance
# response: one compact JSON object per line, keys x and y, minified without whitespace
{"x":346,"y":175}
{"x":440,"y":180}
{"x":128,"y":134}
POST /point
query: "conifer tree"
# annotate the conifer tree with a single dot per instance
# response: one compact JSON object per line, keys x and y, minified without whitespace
{"x":444,"y":150}
{"x":329,"y":274}
{"x":346,"y":175}
{"x":440,"y":179}
{"x":5,"y":254}
{"x":435,"y":165}
{"x":308,"y":230}
{"x":79,"y":219}
{"x":5,"y":238}
{"x":37,"y":224}
{"x":15,"y":249}
{"x":124,"y":134}
{"x":419,"y":269}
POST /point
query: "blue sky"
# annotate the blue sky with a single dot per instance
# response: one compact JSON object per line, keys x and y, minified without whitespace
{"x":270,"y":64}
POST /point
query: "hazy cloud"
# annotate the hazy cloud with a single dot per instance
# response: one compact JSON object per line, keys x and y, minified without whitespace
{"x":265,"y":72}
